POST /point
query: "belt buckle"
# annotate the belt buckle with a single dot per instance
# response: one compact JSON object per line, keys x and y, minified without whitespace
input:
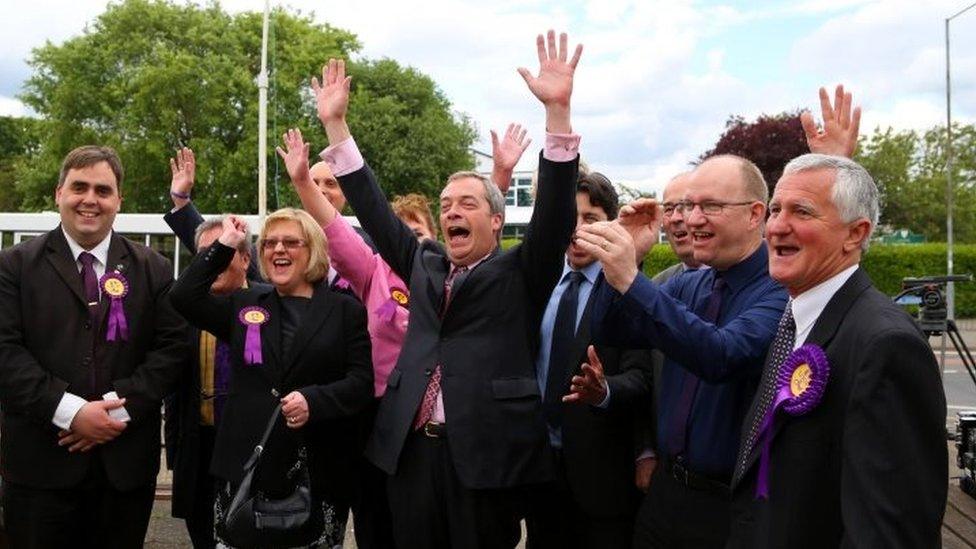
{"x":680,"y":473}
{"x":432,"y":425}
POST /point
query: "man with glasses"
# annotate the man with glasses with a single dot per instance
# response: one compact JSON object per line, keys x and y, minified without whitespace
{"x":714,"y":327}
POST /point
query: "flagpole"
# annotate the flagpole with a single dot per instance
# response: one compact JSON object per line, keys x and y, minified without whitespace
{"x":263,"y":119}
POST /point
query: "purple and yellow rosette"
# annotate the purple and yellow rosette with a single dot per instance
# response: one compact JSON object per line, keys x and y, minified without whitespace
{"x":800,"y":386}
{"x":116,"y":287}
{"x":398,"y":298}
{"x":252,"y":318}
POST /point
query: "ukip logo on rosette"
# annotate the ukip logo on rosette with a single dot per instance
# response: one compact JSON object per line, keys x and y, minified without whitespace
{"x":252,"y":318}
{"x":116,"y":287}
{"x":800,"y":386}
{"x":398,"y":298}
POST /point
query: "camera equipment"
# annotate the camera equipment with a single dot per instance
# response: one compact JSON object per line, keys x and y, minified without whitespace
{"x":966,"y":449}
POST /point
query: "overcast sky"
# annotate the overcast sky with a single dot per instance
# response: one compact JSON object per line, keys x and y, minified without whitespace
{"x":657,"y":79}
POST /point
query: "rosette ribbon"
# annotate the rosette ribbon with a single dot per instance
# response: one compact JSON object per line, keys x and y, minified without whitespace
{"x":116,"y":287}
{"x":387,"y":311}
{"x":800,"y":386}
{"x":252,"y":318}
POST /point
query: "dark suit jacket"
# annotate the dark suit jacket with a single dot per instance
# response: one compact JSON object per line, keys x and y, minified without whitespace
{"x":486,"y":342}
{"x":600,"y":445}
{"x":868,"y":466}
{"x":329,"y":363}
{"x":48,"y":345}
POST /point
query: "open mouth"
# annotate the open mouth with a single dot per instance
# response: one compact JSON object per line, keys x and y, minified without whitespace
{"x":701,"y":237}
{"x":785,"y":251}
{"x":457,"y":235}
{"x":281,"y":264}
{"x":679,"y":235}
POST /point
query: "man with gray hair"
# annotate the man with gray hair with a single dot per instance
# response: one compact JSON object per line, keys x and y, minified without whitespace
{"x":850,"y":392}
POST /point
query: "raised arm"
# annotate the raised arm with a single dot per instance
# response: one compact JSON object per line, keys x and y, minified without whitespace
{"x":506,"y":153}
{"x":184,"y":218}
{"x":395,"y":241}
{"x":295,"y":157}
{"x":838,"y":136}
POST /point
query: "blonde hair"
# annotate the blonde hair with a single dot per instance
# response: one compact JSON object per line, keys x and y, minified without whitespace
{"x":318,"y":246}
{"x":415,"y":207}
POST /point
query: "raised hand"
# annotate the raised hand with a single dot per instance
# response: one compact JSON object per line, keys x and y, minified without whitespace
{"x":184,"y":169}
{"x":841,"y":125}
{"x":553,"y":86}
{"x":611,"y":244}
{"x":295,"y":156}
{"x":642,"y":219}
{"x":590,"y":387}
{"x":233,"y":231}
{"x":332,"y":95}
{"x":505,"y":154}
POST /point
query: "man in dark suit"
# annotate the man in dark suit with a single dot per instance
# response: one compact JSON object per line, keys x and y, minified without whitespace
{"x":459,"y":429}
{"x":866,"y":466}
{"x":597,"y":432}
{"x":84,"y":366}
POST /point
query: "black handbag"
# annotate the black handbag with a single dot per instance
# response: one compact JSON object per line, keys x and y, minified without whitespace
{"x":252,"y":520}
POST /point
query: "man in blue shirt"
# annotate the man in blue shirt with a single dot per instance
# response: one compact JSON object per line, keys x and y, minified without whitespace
{"x":597,"y":435}
{"x":713,"y":325}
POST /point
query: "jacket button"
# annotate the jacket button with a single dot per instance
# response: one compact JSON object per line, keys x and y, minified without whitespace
{"x":86,"y":361}
{"x":274,"y":393}
{"x":88,"y":325}
{"x":428,"y":372}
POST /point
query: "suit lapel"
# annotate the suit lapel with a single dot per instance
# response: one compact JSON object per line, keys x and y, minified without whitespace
{"x":315,"y":315}
{"x":59,"y":255}
{"x":823,"y":331}
{"x":436,"y":266}
{"x":271,"y":332}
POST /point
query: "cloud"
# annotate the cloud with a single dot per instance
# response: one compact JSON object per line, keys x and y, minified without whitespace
{"x":12,"y":107}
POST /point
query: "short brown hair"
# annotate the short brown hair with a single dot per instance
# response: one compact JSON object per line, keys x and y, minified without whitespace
{"x":318,"y":246}
{"x":89,"y":155}
{"x":415,"y":207}
{"x":601,"y":192}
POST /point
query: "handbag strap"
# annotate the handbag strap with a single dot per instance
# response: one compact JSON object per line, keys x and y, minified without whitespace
{"x":256,"y":455}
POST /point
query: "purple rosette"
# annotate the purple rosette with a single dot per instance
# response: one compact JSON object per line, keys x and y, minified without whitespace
{"x":800,"y":387}
{"x":252,"y":318}
{"x":116,"y":287}
{"x":387,"y":311}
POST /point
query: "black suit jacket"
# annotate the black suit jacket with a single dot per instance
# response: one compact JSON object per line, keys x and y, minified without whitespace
{"x":49,"y":345}
{"x":600,"y":446}
{"x":486,"y":342}
{"x":868,"y":466}
{"x":329,"y":363}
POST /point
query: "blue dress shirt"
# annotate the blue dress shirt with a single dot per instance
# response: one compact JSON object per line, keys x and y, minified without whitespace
{"x":727,"y":356}
{"x":590,"y":274}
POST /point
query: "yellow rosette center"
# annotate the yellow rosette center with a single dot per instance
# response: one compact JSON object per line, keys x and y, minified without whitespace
{"x":800,"y":380}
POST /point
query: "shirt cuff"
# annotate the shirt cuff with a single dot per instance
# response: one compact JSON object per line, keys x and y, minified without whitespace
{"x":606,"y":400}
{"x":646,"y":454}
{"x":67,"y":409}
{"x":343,"y":157}
{"x":561,"y":147}
{"x":118,"y":414}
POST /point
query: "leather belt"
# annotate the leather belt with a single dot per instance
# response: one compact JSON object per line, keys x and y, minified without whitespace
{"x":433,"y":429}
{"x":680,"y":473}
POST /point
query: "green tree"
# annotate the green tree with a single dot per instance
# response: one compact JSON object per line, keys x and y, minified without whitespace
{"x":18,"y":139}
{"x":149,"y":76}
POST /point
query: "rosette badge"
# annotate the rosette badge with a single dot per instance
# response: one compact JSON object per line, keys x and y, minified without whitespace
{"x":398,"y":298}
{"x":116,"y":287}
{"x":252,"y":318}
{"x":800,"y":386}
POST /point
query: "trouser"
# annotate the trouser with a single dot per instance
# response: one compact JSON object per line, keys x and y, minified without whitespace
{"x":676,"y":516}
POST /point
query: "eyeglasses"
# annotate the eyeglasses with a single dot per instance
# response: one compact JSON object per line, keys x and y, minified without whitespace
{"x":288,"y":243}
{"x":708,"y":207}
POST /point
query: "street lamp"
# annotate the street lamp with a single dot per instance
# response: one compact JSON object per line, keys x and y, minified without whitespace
{"x":951,"y":287}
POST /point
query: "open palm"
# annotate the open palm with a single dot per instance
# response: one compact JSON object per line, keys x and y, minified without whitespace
{"x":554,"y":83}
{"x":295,"y":155}
{"x":332,"y":95}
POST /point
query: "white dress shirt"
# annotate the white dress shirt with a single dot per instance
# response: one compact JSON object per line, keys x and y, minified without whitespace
{"x":808,"y":305}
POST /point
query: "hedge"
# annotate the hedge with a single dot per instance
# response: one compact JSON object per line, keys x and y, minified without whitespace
{"x":886,"y":264}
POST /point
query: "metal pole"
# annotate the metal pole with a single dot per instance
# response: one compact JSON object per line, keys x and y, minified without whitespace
{"x":263,"y":120}
{"x":950,"y":287}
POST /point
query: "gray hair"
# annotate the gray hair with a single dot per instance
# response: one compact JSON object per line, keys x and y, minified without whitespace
{"x":496,"y":202}
{"x":855,"y":194}
{"x":217,"y":223}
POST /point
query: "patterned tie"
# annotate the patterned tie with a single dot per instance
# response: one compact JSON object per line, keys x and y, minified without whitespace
{"x":426,"y":409}
{"x":779,"y":351}
{"x":678,"y":427}
{"x":563,"y":334}
{"x":88,"y":279}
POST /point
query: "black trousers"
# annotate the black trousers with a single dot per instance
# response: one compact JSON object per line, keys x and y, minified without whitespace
{"x":372,"y":522}
{"x":674,"y":516}
{"x":200,"y":521}
{"x":432,"y":510}
{"x":92,"y":514}
{"x":555,"y":520}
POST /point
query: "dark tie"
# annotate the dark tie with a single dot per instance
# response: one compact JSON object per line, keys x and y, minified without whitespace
{"x":563,"y":334}
{"x":779,"y":351}
{"x":434,"y":383}
{"x":678,"y":427}
{"x":88,"y":278}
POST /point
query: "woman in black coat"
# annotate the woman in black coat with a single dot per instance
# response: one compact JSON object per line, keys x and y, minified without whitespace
{"x":295,"y":343}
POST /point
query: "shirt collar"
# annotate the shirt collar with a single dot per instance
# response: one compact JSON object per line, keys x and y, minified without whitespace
{"x":808,"y":305}
{"x":741,"y":273}
{"x":100,"y":251}
{"x":471,"y":266}
{"x":590,"y":272}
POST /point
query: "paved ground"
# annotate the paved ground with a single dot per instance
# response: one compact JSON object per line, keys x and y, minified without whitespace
{"x":960,"y":529}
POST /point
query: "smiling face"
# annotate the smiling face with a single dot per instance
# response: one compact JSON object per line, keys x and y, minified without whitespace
{"x":88,"y":200}
{"x":586,"y":213}
{"x":285,"y":257}
{"x":724,"y":239}
{"x":809,"y":242}
{"x":233,"y":276}
{"x":674,"y":225}
{"x":467,"y":223}
{"x":327,"y":183}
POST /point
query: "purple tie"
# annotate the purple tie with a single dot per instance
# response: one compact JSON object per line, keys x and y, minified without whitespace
{"x":88,"y":278}
{"x":678,"y":428}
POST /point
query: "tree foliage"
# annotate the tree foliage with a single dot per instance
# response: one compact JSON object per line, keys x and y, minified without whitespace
{"x":18,"y":139}
{"x":769,"y":142}
{"x":149,"y":76}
